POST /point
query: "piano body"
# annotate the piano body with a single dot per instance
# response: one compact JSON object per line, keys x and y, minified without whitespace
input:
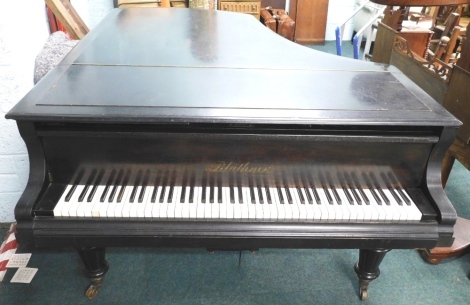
{"x":194,"y":128}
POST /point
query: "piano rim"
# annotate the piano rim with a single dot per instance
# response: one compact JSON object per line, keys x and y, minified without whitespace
{"x":47,"y":232}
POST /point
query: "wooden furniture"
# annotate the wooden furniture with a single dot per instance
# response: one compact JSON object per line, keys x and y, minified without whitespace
{"x":457,"y":101}
{"x":242,"y":6}
{"x":67,"y":15}
{"x":449,"y":85}
{"x":418,"y":40}
{"x":185,"y":149}
{"x":310,"y":20}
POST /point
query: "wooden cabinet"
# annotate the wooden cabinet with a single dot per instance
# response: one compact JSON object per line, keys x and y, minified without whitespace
{"x":241,"y":6}
{"x":310,"y":20}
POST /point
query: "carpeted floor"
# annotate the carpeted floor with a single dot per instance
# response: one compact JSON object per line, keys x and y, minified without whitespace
{"x":269,"y":276}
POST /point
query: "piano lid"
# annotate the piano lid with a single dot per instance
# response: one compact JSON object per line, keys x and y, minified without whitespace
{"x":183,"y":65}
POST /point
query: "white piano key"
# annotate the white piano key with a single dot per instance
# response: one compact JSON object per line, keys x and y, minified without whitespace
{"x":245,"y":204}
{"x":258,"y":205}
{"x":351,"y":210}
{"x":147,"y":200}
{"x":308,"y":206}
{"x":286,"y":205}
{"x":129,"y":209}
{"x":237,"y":206}
{"x":186,"y":206}
{"x":141,"y":207}
{"x":194,"y":207}
{"x":295,"y":204}
{"x":275,"y":209}
{"x":172,"y":202}
{"x":398,"y":210}
{"x":60,"y":204}
{"x":155,"y":203}
{"x":317,"y":210}
{"x":381,"y":214}
{"x":266,"y":205}
{"x":215,"y":213}
{"x":200,"y":207}
{"x":415,"y":213}
{"x":163,"y":209}
{"x":71,"y":208}
{"x":327,"y":212}
{"x":229,"y":206}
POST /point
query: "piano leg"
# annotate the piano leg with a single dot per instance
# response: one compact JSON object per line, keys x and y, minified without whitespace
{"x":367,"y":269}
{"x":95,"y":268}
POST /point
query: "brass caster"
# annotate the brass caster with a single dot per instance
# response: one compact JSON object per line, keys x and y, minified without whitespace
{"x":95,"y":285}
{"x":91,"y":292}
{"x":363,"y":295}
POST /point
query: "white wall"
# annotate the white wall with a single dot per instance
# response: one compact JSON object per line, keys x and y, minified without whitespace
{"x":23,"y":31}
{"x":338,"y":12}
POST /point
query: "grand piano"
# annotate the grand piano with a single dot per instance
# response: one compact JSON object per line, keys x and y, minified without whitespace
{"x":194,"y":128}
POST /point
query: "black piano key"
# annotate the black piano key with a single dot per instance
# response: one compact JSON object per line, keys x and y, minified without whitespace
{"x":333,"y":189}
{"x":301,"y":196}
{"x":239,"y":187}
{"x":349,"y":197}
{"x":279,"y":194}
{"x":144,"y":186}
{"x":288,"y":194}
{"x":328,"y":196}
{"x":405,"y":198}
{"x":88,"y":183}
{"x":137,"y":180}
{"x":116,"y":185}
{"x":379,"y":188}
{"x":191,"y":187}
{"x":219,"y":187}
{"x":336,"y":196}
{"x":95,"y":185}
{"x":252,"y":192}
{"x":156,"y":185}
{"x":108,"y":185}
{"x":311,"y":185}
{"x":266,"y":189}
{"x":74,"y":186}
{"x":260,"y":192}
{"x":355,"y":194}
{"x":398,"y":189}
{"x":344,"y":186}
{"x":309,"y":197}
{"x":183,"y":187}
{"x":279,"y":191}
{"x":371,"y":189}
{"x":395,"y":196}
{"x":231,"y":183}
{"x":260,"y":195}
{"x":164,"y":186}
{"x":359,"y":188}
{"x":212,"y":189}
{"x":204,"y":185}
{"x":124,"y":185}
{"x":390,"y":188}
{"x":172,"y":187}
{"x":298,"y":186}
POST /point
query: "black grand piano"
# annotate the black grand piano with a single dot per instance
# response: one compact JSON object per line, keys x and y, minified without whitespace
{"x":194,"y":128}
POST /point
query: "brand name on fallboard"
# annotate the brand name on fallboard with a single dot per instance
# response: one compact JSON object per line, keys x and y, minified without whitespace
{"x":224,"y":167}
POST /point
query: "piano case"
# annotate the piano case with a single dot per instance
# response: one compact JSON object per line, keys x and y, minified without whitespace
{"x":278,"y":21}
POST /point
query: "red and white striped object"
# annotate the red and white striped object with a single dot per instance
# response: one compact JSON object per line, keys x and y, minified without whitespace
{"x":7,"y":249}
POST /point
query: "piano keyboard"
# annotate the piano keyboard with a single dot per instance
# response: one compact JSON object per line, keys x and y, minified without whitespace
{"x":125,"y":194}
